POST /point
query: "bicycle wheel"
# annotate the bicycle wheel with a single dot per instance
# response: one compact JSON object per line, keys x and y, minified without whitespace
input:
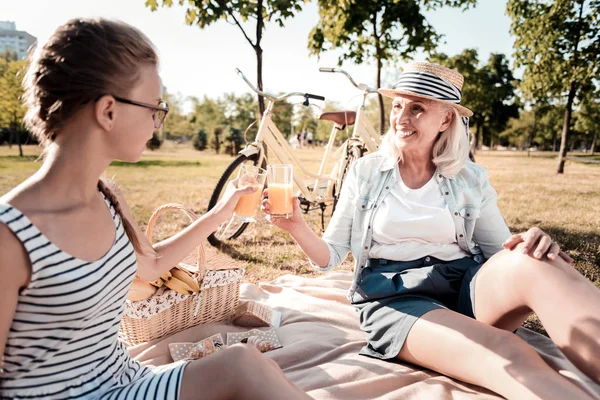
{"x":352,"y":154}
{"x":232,"y":228}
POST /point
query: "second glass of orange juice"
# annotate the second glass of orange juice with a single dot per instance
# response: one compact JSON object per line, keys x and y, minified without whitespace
{"x":250,"y":175}
{"x":281,"y":186}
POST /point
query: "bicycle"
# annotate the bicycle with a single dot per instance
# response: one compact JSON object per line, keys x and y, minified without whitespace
{"x":364,"y":139}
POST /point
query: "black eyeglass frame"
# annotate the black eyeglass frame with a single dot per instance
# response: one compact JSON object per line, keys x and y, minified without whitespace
{"x":162,"y":107}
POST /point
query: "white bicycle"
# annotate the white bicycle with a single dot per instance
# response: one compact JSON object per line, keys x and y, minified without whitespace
{"x":364,"y":139}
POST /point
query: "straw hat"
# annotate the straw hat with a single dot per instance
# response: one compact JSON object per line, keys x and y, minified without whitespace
{"x":430,"y":81}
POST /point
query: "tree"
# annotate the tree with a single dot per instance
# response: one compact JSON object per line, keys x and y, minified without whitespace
{"x":235,"y":141}
{"x":12,"y":109}
{"x":200,"y":140}
{"x":177,"y":125}
{"x":208,"y":114}
{"x":376,"y":30}
{"x":240,"y":114}
{"x":217,"y":134}
{"x":282,"y":117}
{"x":154,"y":143}
{"x":557,"y":42}
{"x":306,"y":120}
{"x":488,"y":91}
{"x":589,"y":118}
{"x":205,"y":12}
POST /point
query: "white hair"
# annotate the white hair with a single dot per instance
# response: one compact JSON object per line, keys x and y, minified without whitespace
{"x":450,"y":150}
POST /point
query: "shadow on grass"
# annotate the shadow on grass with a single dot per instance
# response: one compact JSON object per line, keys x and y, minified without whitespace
{"x":28,"y":158}
{"x":231,"y":251}
{"x":155,"y":163}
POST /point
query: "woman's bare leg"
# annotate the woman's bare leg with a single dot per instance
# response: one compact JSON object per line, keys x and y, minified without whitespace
{"x":473,"y":352}
{"x":511,"y":284}
{"x":239,"y":372}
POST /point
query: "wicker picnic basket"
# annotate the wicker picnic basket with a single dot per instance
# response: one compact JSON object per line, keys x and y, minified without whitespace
{"x":166,"y":312}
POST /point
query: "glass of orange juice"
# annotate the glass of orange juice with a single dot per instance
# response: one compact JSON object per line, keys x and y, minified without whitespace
{"x":250,"y":175}
{"x":281,"y":186}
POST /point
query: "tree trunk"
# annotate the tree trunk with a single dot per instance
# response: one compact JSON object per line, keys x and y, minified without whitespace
{"x":18,"y":134}
{"x":259,"y":54}
{"x":562,"y":154}
{"x":478,"y":137}
{"x":379,"y":66}
{"x":572,"y":89}
{"x":593,"y":143}
{"x":531,"y":134}
{"x":382,"y":119}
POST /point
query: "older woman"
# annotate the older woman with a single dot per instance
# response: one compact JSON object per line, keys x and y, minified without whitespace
{"x":439,"y":281}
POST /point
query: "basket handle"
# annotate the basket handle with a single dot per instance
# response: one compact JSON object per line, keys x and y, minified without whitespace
{"x":201,"y":261}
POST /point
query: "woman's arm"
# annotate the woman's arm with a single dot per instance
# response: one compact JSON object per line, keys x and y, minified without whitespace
{"x":312,"y":245}
{"x":490,"y":230}
{"x":15,"y":270}
{"x":327,"y":252}
{"x":160,"y":258}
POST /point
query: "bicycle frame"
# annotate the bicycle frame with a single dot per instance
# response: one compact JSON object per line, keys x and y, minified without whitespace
{"x":269,"y":135}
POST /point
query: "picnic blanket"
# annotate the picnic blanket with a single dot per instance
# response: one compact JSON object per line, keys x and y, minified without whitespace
{"x":321,"y":338}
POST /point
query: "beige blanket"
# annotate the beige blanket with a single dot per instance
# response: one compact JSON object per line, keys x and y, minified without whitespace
{"x":321,"y":339}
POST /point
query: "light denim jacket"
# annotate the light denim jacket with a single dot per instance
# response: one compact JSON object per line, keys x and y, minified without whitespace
{"x":480,"y":228}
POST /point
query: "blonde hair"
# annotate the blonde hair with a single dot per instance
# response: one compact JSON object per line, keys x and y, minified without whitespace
{"x":450,"y":150}
{"x":82,"y":61}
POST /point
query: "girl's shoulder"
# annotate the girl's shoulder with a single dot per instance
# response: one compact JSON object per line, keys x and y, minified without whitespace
{"x":15,"y":266}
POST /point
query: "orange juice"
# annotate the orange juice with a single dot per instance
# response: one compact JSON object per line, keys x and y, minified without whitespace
{"x":248,"y":204}
{"x":280,"y":199}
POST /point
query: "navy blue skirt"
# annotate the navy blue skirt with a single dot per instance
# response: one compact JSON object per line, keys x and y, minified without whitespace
{"x":392,"y":295}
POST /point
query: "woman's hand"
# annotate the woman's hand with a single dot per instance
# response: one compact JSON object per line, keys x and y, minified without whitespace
{"x":287,"y":224}
{"x":234,"y":190}
{"x":537,"y":241}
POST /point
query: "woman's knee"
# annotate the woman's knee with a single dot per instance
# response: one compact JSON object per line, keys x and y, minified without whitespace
{"x":525,"y":268}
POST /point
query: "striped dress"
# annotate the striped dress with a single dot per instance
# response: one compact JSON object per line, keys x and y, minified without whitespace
{"x":63,"y":341}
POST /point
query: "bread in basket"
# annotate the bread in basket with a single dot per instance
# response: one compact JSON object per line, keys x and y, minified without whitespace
{"x":168,"y":312}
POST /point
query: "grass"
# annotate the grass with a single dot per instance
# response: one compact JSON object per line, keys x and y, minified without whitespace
{"x":530,"y":193}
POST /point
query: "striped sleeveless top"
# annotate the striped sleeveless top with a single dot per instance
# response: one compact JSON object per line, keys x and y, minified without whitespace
{"x":63,"y":341}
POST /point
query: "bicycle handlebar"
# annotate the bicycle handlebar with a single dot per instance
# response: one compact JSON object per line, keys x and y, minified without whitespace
{"x":359,"y":86}
{"x":272,"y":97}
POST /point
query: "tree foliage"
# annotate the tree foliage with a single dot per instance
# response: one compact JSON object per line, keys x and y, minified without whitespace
{"x":206,"y":12}
{"x":376,"y":31}
{"x":558,"y":46}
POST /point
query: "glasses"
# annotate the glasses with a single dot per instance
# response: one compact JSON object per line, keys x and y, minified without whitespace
{"x":160,"y":111}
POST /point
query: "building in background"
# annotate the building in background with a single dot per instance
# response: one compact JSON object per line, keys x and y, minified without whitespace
{"x":13,"y":40}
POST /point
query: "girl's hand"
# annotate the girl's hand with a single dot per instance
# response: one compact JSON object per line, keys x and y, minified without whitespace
{"x":539,"y":243}
{"x":234,"y":190}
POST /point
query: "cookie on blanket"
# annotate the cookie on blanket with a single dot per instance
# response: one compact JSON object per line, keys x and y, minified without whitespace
{"x":268,"y":335}
{"x":189,"y":351}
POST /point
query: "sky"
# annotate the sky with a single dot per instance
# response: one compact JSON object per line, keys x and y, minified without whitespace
{"x":201,"y":62}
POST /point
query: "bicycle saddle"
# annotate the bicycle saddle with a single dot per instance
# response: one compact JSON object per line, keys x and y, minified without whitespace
{"x":340,"y":117}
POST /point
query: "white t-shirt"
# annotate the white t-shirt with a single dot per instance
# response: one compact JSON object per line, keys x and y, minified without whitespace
{"x":414,"y":223}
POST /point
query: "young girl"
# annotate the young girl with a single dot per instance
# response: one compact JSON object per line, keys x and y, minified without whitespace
{"x":69,"y":247}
